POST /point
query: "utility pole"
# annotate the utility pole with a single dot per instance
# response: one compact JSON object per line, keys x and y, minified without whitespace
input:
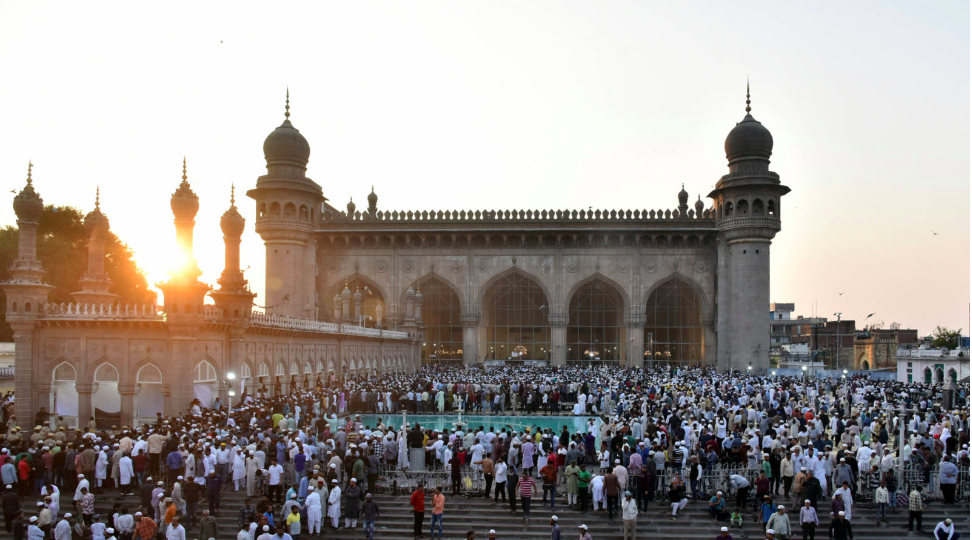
{"x":903,"y":421}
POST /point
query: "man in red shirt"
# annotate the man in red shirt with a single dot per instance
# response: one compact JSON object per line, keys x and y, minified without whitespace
{"x":23,"y":469}
{"x":418,"y":509}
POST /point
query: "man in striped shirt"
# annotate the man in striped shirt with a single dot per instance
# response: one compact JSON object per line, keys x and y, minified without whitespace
{"x":526,"y":488}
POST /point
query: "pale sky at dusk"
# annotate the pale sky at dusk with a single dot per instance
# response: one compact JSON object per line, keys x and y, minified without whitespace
{"x":516,"y":104}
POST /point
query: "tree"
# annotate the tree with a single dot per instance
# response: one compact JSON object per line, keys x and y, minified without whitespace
{"x":62,"y":247}
{"x":943,"y":337}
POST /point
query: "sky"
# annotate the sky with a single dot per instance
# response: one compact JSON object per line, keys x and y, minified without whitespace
{"x":516,"y":104}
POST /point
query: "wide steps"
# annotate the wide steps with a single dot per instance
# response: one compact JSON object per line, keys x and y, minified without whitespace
{"x":481,"y":515}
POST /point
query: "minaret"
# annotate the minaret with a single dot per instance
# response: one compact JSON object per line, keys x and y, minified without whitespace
{"x":288,"y":205}
{"x":372,"y":203}
{"x":747,"y":202}
{"x":26,"y":296}
{"x":184,"y":297}
{"x":233,"y":298}
{"x":95,"y":281}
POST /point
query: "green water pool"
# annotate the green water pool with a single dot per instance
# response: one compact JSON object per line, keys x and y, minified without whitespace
{"x":575,"y":424}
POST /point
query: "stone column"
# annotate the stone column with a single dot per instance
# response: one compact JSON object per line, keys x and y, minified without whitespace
{"x":167,"y":407}
{"x":558,"y":336}
{"x":43,"y":390}
{"x":24,"y":375}
{"x":177,"y":376}
{"x":470,"y":338}
{"x":635,"y":345}
{"x":85,"y":412}
{"x":127,"y":392}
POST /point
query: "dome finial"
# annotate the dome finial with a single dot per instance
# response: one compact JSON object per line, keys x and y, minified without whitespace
{"x":232,"y":194}
{"x":287,"y":107}
{"x":184,"y":176}
{"x":748,"y":108}
{"x":30,"y":168}
{"x":98,"y":197}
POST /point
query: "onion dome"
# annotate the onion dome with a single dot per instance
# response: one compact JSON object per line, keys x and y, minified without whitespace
{"x":418,"y":296}
{"x":28,"y":204}
{"x":372,"y":198}
{"x":409,"y":293}
{"x":285,"y":145}
{"x":232,"y":223}
{"x":699,"y":206}
{"x":337,"y":298}
{"x":346,"y":293}
{"x":96,"y":222}
{"x":184,"y":202}
{"x":351,"y":207}
{"x":683,"y":196}
{"x":749,"y":139}
{"x":356,"y":297}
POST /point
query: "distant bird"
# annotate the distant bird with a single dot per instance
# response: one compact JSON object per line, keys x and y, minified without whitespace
{"x":840,"y":294}
{"x":869,"y":316}
{"x":935,"y":233}
{"x":14,"y":191}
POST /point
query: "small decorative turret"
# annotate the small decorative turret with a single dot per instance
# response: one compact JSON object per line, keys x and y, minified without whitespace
{"x":346,"y":302}
{"x":418,"y":305}
{"x":232,"y":223}
{"x":184,"y":202}
{"x":337,"y":306}
{"x":351,"y":208}
{"x":372,"y":202}
{"x":356,"y":299}
{"x":683,"y":202}
{"x":28,"y":204}
{"x":699,"y":207}
{"x":96,"y":222}
{"x":95,"y":282}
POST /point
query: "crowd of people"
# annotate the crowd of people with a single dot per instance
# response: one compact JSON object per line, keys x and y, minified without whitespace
{"x":779,"y":448}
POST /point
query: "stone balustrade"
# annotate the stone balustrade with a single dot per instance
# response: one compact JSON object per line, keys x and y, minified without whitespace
{"x":101,"y":311}
{"x":928,"y":353}
{"x":289,"y":323}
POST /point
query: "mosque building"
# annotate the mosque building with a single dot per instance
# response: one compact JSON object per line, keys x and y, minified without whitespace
{"x":360,"y":292}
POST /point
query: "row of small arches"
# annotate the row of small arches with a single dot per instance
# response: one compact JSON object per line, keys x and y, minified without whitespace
{"x":286,"y":211}
{"x":521,"y":215}
{"x":741,"y":208}
{"x":517,"y":240}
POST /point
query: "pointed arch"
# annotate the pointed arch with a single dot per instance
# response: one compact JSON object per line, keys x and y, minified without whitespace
{"x":429,"y":277}
{"x":307,"y":368}
{"x":246,"y":372}
{"x":281,"y":370}
{"x":205,"y":372}
{"x":675,"y":310}
{"x":320,"y":366}
{"x":442,"y":317}
{"x":373,"y":294}
{"x":608,"y":281}
{"x":515,"y":271}
{"x":595,"y":320}
{"x":515,"y":305}
{"x":104,"y":371}
{"x":263,"y":369}
{"x":148,"y":373}
{"x":683,"y":280}
{"x":64,"y":372}
{"x":294,"y":368}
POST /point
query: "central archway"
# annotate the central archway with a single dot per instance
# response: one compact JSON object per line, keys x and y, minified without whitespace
{"x":673,"y":323}
{"x":595,"y":317}
{"x":441,"y":312}
{"x":515,"y":316}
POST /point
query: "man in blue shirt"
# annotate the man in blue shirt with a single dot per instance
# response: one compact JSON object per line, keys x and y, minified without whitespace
{"x":174,"y":464}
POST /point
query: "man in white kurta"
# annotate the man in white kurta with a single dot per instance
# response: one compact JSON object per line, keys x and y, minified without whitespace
{"x":126,"y":473}
{"x":334,"y":504}
{"x":313,"y":504}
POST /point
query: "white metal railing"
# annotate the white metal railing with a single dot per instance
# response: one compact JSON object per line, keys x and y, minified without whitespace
{"x":101,"y":311}
{"x":290,"y":323}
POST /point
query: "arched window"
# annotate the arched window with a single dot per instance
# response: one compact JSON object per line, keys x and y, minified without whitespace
{"x":262,"y":210}
{"x":27,"y":307}
{"x":263,"y":370}
{"x":245,"y":372}
{"x":106,"y":373}
{"x":515,"y":311}
{"x":928,"y":375}
{"x":742,"y":207}
{"x":148,"y":374}
{"x":757,"y":207}
{"x":595,"y":323}
{"x":729,"y":209}
{"x":64,"y":372}
{"x":673,"y":325}
{"x":204,"y":372}
{"x":275,"y":209}
{"x":939,"y":375}
{"x":952,"y":375}
{"x":290,"y":211}
{"x":303,"y":213}
{"x":771,"y":208}
{"x":441,"y":313}
{"x":294,"y":368}
{"x":281,"y":370}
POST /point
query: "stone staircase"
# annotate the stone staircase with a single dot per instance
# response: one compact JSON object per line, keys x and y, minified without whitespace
{"x":480,"y":515}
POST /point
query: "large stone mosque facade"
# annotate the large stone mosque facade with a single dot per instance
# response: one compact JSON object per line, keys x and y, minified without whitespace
{"x":358,"y":291}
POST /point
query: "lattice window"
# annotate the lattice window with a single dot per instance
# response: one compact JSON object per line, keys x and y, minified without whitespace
{"x":106,"y":373}
{"x":204,"y":372}
{"x":149,"y":374}
{"x":65,"y":372}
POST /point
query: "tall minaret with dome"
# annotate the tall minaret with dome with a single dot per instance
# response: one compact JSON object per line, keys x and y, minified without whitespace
{"x":747,"y":202}
{"x":288,"y":205}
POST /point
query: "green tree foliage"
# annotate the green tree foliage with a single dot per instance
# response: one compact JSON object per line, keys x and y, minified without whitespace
{"x":62,"y":247}
{"x":945,"y":337}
